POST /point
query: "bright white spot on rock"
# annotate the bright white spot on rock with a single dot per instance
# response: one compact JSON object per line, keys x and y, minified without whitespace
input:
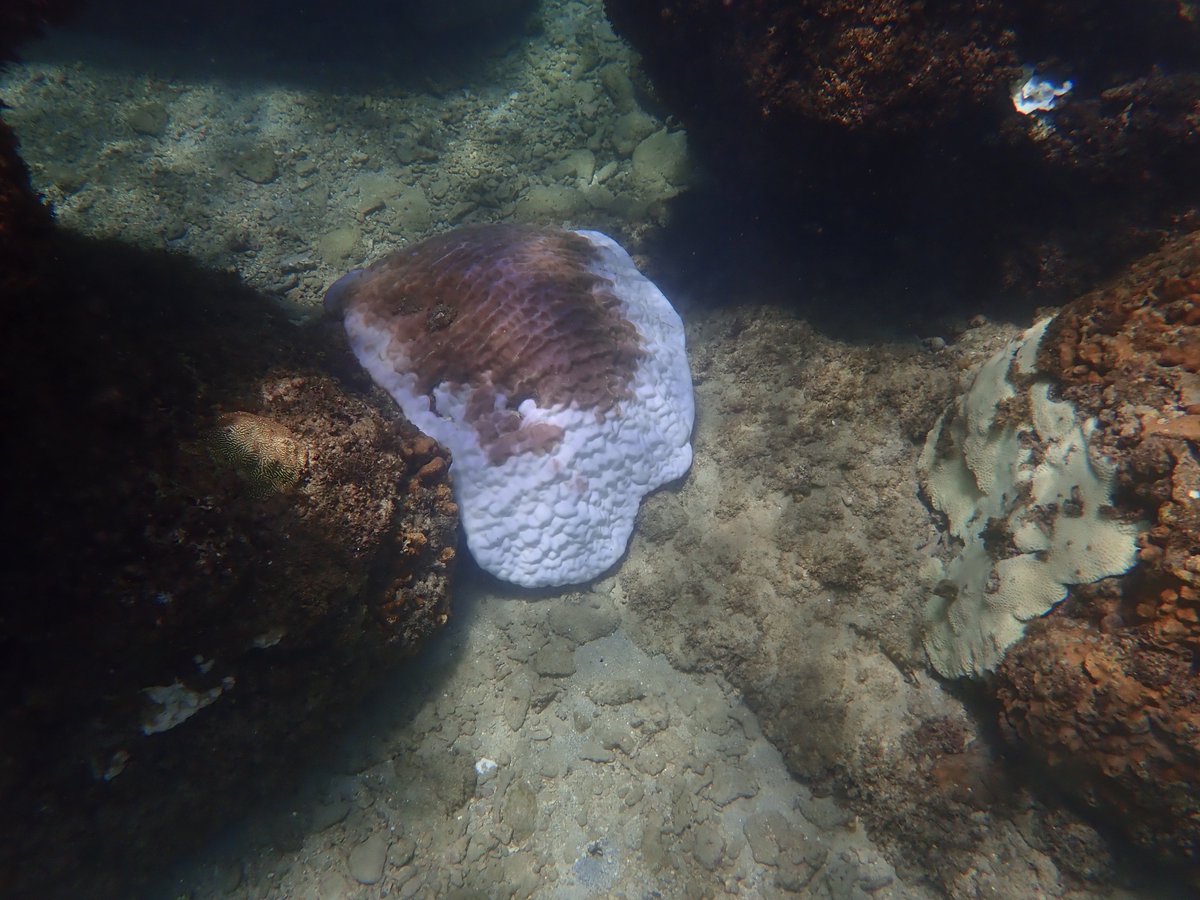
{"x":174,"y":704}
{"x":117,"y":765}
{"x":1039,"y":94}
{"x":269,"y":638}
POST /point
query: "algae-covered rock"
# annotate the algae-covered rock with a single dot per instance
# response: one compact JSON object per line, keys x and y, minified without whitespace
{"x":222,"y":537}
{"x":1102,"y":691}
{"x":662,"y":159}
{"x":149,"y":119}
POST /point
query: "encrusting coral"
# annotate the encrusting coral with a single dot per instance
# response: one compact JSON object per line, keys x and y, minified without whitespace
{"x":265,"y":454}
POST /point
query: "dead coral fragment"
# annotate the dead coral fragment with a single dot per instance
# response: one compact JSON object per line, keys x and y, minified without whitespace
{"x":265,"y":454}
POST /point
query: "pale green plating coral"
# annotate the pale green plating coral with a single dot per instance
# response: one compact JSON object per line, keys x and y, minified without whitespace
{"x":1011,"y":470}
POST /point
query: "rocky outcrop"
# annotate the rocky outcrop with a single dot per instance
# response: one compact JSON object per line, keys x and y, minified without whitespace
{"x":1103,"y":691}
{"x":24,"y":221}
{"x":892,"y":127}
{"x":219,"y":536}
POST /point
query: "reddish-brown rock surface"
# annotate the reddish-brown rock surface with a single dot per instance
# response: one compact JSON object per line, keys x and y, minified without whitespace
{"x":204,"y":504}
{"x":1105,"y":690}
{"x":891,"y":125}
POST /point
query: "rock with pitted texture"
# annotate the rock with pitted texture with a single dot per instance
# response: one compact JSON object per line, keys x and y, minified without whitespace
{"x":892,"y":126}
{"x":553,"y":370}
{"x":1104,"y":690}
{"x":215,"y":545}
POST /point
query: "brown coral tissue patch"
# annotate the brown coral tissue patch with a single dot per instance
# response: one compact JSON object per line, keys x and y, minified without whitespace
{"x":265,"y":454}
{"x":1105,"y":690}
{"x":506,"y":309}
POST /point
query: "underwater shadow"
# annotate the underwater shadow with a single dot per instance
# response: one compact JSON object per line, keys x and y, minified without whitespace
{"x":151,"y":701}
{"x":857,"y":283}
{"x":355,"y":45}
{"x":375,"y":729}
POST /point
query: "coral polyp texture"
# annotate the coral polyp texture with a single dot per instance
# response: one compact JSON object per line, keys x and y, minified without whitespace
{"x":265,"y":454}
{"x":553,"y":370}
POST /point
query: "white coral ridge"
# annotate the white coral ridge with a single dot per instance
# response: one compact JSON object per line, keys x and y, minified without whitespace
{"x":562,"y":517}
{"x":1030,"y":504}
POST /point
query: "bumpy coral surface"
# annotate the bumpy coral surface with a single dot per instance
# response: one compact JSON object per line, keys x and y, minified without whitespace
{"x":1029,"y":505}
{"x":510,"y":313}
{"x":553,"y":370}
{"x":894,"y":123}
{"x":1104,"y":690}
{"x":216,"y":544}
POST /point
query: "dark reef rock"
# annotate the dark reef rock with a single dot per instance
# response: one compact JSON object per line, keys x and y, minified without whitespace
{"x":24,"y":221}
{"x":1097,"y":753}
{"x":218,"y":535}
{"x":890,"y":126}
{"x":1104,"y":690}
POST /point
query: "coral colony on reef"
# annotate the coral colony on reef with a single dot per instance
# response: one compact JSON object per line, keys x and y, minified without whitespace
{"x":1010,"y":468}
{"x":553,"y":370}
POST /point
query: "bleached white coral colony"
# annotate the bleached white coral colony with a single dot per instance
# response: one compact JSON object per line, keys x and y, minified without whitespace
{"x":1027,"y":505}
{"x":553,"y":370}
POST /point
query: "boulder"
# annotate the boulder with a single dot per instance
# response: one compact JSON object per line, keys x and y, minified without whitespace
{"x":219,"y":536}
{"x":995,"y":143}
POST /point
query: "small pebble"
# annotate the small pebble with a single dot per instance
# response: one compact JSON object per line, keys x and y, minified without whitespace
{"x":368,"y":858}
